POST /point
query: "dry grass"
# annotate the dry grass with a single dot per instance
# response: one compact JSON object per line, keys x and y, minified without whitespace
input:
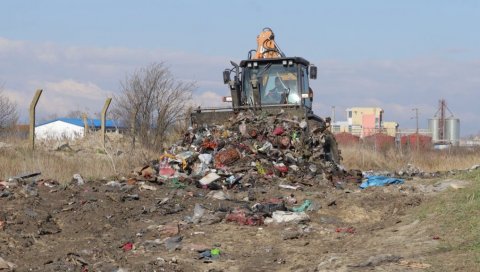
{"x":91,"y":160}
{"x":366,"y":158}
{"x":87,"y":157}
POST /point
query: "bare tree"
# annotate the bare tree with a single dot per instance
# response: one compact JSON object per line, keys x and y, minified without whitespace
{"x":8,"y":112}
{"x":151,"y":102}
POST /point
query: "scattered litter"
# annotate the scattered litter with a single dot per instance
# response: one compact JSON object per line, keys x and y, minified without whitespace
{"x":220,"y":195}
{"x":350,"y":230}
{"x":380,"y":181}
{"x":147,"y":187}
{"x":285,"y":186}
{"x":306,"y":204}
{"x":173,"y":243}
{"x":242,"y":217}
{"x":288,"y":217}
{"x":127,"y":246}
{"x":130,"y":197}
{"x":177,"y":184}
{"x":198,"y":213}
{"x":170,"y":229}
{"x":209,"y":254}
{"x":78,"y":179}
{"x":211,"y":177}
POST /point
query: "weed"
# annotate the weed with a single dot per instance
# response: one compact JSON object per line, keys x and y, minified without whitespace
{"x":455,"y":217}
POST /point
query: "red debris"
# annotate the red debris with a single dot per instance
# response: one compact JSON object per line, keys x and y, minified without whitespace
{"x":167,"y":171}
{"x":278,"y":131}
{"x":226,"y":157}
{"x":350,"y":230}
{"x":127,"y":246}
{"x":253,"y":133}
{"x":242,"y":219}
{"x":131,"y":181}
{"x":207,"y":144}
{"x":281,"y":168}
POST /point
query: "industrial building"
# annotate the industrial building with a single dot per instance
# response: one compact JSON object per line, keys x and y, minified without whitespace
{"x":70,"y":128}
{"x":365,"y":121}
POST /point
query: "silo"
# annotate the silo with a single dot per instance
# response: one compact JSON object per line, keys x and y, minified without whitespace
{"x":452,"y":130}
{"x":433,"y":126}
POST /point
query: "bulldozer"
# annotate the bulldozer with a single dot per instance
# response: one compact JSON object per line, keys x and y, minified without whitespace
{"x":269,"y":82}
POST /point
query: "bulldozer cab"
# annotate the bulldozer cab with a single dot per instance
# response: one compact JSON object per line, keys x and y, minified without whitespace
{"x":270,"y":82}
{"x":270,"y":85}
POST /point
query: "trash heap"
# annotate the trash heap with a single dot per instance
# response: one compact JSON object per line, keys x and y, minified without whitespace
{"x":247,"y":149}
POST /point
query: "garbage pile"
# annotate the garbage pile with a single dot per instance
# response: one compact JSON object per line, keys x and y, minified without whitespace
{"x":248,"y":149}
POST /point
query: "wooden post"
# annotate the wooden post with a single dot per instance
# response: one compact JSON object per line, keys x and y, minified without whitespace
{"x":133,"y":126}
{"x":104,"y":118}
{"x":33,"y":105}
{"x":85,"y":124}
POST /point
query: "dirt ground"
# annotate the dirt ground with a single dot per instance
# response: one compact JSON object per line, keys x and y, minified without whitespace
{"x":100,"y":227}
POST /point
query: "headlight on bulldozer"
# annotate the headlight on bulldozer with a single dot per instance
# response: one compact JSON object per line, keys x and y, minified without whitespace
{"x":307,"y":95}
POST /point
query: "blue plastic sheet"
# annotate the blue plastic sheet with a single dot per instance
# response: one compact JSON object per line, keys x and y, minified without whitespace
{"x":380,"y":181}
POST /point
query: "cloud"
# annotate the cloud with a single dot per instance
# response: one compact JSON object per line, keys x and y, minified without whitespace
{"x":8,"y":46}
{"x":210,"y":99}
{"x":74,"y":89}
{"x":74,"y":77}
{"x":61,"y":97}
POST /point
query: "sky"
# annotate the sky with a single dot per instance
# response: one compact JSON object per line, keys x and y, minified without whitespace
{"x":397,"y":55}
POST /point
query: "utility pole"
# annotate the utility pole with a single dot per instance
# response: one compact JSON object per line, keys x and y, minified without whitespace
{"x":416,"y":131}
{"x":333,"y":114}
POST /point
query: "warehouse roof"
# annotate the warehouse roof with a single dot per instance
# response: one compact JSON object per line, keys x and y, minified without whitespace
{"x":79,"y":122}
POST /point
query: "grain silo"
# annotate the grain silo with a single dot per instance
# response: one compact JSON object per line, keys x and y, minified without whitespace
{"x":452,"y":130}
{"x":445,"y":130}
{"x":434,"y":126}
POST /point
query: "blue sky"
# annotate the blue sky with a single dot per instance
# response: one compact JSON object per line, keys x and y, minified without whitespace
{"x":394,"y":54}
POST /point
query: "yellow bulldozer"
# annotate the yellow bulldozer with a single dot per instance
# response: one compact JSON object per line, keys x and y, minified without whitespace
{"x":269,"y":82}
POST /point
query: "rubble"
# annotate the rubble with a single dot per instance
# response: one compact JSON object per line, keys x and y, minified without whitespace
{"x":260,"y":147}
{"x":78,"y":180}
{"x":288,"y":217}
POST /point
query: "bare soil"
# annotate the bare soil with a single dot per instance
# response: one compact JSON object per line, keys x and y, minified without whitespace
{"x":87,"y":228}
